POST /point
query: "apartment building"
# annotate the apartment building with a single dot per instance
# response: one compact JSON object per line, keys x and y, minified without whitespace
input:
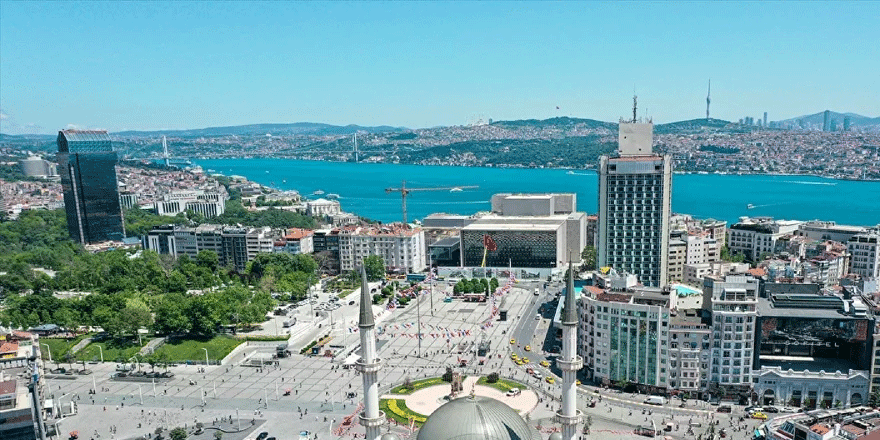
{"x":732,"y":302}
{"x":400,"y":246}
{"x":865,"y":260}
{"x":624,"y":336}
{"x":752,"y":237}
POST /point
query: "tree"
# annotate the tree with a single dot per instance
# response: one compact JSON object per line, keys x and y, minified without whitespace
{"x":375,"y":267}
{"x":589,"y":257}
{"x":208,"y":259}
{"x":171,"y":315}
{"x":218,"y":435}
{"x":178,"y":434}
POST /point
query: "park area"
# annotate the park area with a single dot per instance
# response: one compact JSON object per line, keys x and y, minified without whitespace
{"x":417,"y":400}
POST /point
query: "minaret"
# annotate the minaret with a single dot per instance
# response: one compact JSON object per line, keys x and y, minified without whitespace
{"x":369,"y":364}
{"x":708,"y":93}
{"x":569,"y":362}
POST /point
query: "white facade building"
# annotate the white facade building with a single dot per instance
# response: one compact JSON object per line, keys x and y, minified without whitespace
{"x":624,"y":335}
{"x":865,"y":253}
{"x":401,"y":247}
{"x":322,"y":207}
{"x":689,"y":353}
{"x":752,"y":237}
{"x":732,"y":301}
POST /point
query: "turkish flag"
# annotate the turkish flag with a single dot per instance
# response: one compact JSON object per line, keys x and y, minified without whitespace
{"x":489,"y":243}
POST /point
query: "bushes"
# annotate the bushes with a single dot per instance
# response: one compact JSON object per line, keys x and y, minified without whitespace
{"x":492,"y":378}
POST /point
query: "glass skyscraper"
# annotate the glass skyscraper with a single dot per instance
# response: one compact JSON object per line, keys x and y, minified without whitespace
{"x":87,"y":164}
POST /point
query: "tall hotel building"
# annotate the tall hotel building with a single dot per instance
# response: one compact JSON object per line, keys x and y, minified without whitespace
{"x":87,"y":164}
{"x":634,"y":205}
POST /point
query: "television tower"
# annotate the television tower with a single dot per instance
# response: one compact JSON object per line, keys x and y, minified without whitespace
{"x":708,"y":100}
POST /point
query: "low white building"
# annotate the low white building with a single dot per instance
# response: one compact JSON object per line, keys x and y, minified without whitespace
{"x":812,"y":389}
{"x":322,"y":207}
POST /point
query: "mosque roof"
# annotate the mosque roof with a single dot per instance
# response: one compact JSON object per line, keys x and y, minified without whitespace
{"x":476,"y":418}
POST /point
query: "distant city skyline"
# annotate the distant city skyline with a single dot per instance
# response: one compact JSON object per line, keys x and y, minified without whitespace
{"x":176,"y":65}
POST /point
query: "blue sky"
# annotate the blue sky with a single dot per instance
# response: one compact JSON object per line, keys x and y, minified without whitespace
{"x":149,"y":65}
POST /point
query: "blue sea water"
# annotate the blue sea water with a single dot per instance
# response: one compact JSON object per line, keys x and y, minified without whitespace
{"x":361,"y":188}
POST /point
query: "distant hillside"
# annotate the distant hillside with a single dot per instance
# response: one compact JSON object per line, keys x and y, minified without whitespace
{"x":818,"y":119}
{"x":698,"y":125}
{"x":562,"y":122}
{"x":297,"y":128}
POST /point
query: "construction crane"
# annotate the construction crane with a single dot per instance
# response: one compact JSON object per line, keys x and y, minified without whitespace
{"x":403,"y":190}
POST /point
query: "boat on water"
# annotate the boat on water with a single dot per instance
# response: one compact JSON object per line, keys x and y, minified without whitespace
{"x":455,"y":190}
{"x":283,"y":180}
{"x":318,"y":192}
{"x":750,"y":206}
{"x":332,"y":196}
{"x":570,"y":172}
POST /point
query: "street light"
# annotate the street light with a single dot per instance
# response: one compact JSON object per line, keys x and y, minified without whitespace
{"x":48,"y":349}
{"x":101,"y":350}
{"x":206,"y":355}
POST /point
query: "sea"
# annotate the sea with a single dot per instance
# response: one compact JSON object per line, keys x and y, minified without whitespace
{"x":361,"y":188}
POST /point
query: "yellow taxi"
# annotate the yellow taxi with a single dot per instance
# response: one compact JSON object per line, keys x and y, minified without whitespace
{"x":520,"y":362}
{"x":578,"y":382}
{"x":513,"y":356}
{"x":549,"y":379}
{"x":512,"y":341}
{"x":545,"y":364}
{"x":525,"y":360}
{"x":759,"y":415}
{"x":528,"y":348}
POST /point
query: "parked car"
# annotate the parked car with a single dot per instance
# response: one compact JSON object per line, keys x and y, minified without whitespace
{"x":725,"y":408}
{"x":513,"y":392}
{"x":262,"y":435}
{"x":771,"y":409}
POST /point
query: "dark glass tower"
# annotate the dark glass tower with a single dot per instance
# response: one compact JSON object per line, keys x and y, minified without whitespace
{"x":87,"y":164}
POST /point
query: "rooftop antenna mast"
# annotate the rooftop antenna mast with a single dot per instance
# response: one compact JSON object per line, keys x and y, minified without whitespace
{"x":708,"y":100}
{"x":635,"y":100}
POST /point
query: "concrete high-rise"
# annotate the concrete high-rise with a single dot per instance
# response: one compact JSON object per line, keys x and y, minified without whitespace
{"x":87,"y":164}
{"x":765,"y":119}
{"x":826,"y":121}
{"x":635,"y":188}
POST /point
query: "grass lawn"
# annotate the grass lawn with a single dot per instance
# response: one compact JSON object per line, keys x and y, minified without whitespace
{"x":58,"y":347}
{"x":397,"y":410}
{"x":419,"y":384}
{"x":115,"y":350}
{"x":503,"y":385}
{"x":191,"y":349}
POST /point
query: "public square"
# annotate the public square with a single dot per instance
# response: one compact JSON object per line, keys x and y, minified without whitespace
{"x":324,"y":396}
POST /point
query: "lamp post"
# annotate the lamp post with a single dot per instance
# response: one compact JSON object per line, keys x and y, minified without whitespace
{"x":206,"y":355}
{"x":49,"y":350}
{"x":101,"y":350}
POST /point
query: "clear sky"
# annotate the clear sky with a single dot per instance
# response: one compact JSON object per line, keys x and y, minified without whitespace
{"x":151,"y":65}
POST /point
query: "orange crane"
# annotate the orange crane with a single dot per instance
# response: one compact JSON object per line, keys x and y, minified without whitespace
{"x":404,"y":191}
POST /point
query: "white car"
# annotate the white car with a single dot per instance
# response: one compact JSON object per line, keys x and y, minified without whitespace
{"x":538,"y":375}
{"x":513,"y":392}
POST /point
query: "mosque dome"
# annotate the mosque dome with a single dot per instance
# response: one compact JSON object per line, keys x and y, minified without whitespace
{"x":476,"y":418}
{"x":555,"y":436}
{"x":389,"y":436}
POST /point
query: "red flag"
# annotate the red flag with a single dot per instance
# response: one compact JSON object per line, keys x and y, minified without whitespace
{"x":489,"y":243}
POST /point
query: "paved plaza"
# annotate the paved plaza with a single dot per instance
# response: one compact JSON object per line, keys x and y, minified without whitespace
{"x":325,"y":396}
